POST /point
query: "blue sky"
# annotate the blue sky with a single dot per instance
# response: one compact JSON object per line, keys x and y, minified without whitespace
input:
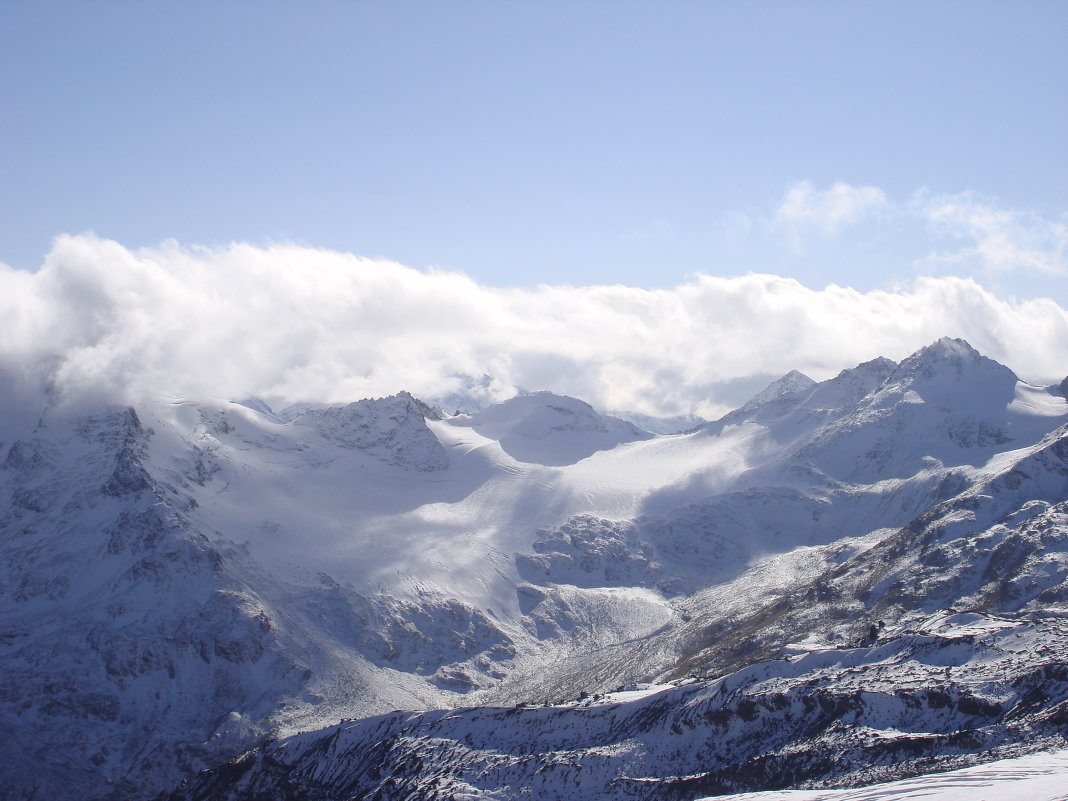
{"x":863,"y":144}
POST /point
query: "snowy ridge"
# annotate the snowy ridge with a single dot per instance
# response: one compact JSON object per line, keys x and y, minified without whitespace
{"x":542,"y":428}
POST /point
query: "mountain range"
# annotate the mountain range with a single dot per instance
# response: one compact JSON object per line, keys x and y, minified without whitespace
{"x":840,"y":582}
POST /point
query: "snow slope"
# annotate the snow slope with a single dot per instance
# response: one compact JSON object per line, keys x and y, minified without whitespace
{"x":1036,"y":777}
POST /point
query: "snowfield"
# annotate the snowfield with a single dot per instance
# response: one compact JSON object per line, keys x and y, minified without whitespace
{"x":1035,"y":777}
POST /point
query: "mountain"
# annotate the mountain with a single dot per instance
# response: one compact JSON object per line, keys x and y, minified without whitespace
{"x":547,"y":429}
{"x":790,"y":384}
{"x":911,"y":685}
{"x":186,"y":580}
{"x":917,"y":700}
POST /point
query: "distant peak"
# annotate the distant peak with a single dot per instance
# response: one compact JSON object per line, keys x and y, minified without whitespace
{"x":946,"y":372}
{"x":551,"y":397}
{"x":791,"y":383}
{"x":879,"y":363}
{"x":949,"y":346}
{"x":425,"y":409}
{"x":954,"y":353}
{"x":258,"y":405}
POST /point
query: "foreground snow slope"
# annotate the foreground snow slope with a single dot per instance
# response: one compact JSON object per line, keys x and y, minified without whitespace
{"x":179,"y":581}
{"x":1035,"y":777}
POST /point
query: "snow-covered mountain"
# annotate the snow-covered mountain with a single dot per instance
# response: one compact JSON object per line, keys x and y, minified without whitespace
{"x":917,"y":700}
{"x":182,"y":580}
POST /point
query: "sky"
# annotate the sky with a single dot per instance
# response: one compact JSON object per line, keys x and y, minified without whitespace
{"x":528,"y":150}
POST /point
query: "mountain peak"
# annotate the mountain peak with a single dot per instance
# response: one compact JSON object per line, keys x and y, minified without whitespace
{"x":954,"y":344}
{"x":952,"y":360}
{"x":791,"y":383}
{"x":950,"y":348}
{"x":392,"y":429}
{"x":425,"y":409}
{"x":946,"y":349}
{"x":551,"y":429}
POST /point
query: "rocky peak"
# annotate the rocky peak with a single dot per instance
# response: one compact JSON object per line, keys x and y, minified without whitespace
{"x":392,"y":429}
{"x":427,"y":411}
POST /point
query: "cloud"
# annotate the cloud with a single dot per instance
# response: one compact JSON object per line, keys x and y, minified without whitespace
{"x":294,"y":324}
{"x":997,"y":239}
{"x":963,"y":233}
{"x":828,"y":209}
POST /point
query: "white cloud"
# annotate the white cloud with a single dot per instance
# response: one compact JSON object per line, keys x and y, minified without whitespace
{"x":290,"y":324}
{"x":996,"y":239}
{"x":828,"y":209}
{"x":983,"y":236}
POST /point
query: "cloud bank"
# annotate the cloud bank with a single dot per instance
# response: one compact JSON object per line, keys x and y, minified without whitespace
{"x":293,"y":324}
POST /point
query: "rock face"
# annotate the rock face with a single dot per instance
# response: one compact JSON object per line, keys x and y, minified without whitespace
{"x":874,"y":566}
{"x":391,"y":429}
